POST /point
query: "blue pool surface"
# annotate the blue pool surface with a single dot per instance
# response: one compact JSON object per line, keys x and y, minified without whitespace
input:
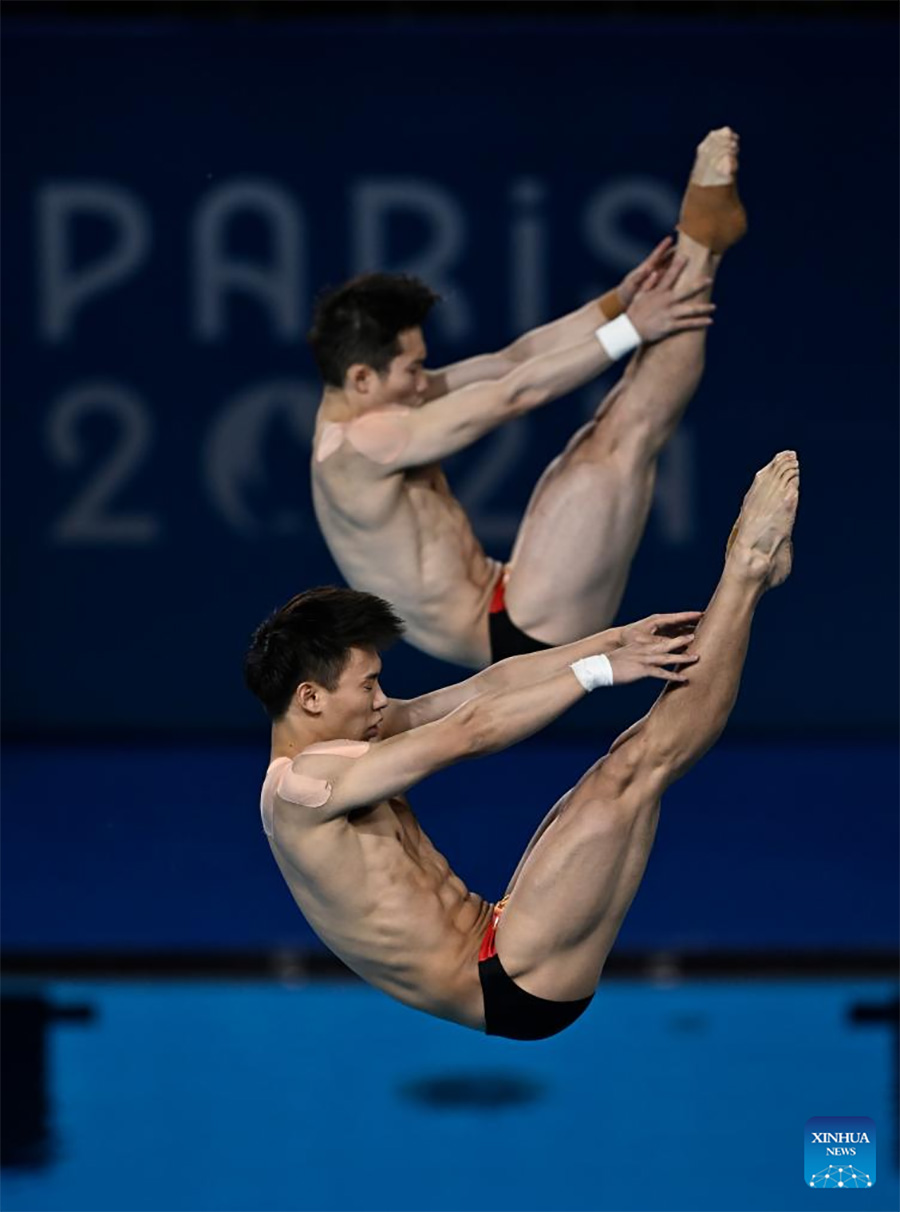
{"x":329,"y":1096}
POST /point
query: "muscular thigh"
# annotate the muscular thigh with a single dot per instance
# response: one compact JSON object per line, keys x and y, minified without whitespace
{"x":578,"y":537}
{"x":539,"y":833}
{"x":574,"y":886}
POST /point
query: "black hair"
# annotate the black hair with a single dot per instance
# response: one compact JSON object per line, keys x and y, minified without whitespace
{"x":361,"y":321}
{"x":309,"y":639}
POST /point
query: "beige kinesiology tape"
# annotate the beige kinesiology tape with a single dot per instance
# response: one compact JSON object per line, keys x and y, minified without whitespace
{"x":610,"y":305}
{"x":299,"y":787}
{"x":330,"y":439}
{"x":381,"y":436}
{"x":350,"y":749}
{"x":713,"y":215}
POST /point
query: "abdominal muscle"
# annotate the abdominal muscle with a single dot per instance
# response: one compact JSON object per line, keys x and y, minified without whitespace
{"x":406,"y":538}
{"x":381,"y":897}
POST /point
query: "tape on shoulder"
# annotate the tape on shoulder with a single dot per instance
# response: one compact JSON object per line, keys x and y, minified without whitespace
{"x":351,"y":749}
{"x":330,"y":439}
{"x":298,"y":788}
{"x":381,"y":436}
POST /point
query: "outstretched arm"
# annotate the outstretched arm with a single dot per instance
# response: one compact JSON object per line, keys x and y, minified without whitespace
{"x":559,"y":334}
{"x":401,"y":438}
{"x":483,"y":725}
{"x":491,"y":711}
{"x":638,"y":650}
{"x":492,"y":720}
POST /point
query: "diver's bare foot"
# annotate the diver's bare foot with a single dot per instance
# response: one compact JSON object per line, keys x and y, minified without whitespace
{"x":711,"y":212}
{"x":717,"y":158}
{"x":760,"y":542}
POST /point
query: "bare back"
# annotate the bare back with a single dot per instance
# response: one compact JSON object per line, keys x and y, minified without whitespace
{"x":378,"y":894}
{"x":405,"y":537}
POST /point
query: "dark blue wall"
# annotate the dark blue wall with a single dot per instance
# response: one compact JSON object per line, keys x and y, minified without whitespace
{"x":157,"y":408}
{"x":762,"y":846}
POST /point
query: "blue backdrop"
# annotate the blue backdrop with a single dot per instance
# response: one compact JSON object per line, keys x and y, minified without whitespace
{"x":761,"y":847}
{"x":174,"y":196}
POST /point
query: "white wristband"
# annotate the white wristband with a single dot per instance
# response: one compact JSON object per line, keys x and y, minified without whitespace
{"x":618,"y":337}
{"x":593,"y":671}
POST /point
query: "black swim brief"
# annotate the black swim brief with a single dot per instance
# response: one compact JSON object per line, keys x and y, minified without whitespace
{"x":510,"y":1011}
{"x":506,"y":638}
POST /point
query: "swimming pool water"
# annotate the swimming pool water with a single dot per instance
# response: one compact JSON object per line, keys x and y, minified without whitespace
{"x":328,"y":1096}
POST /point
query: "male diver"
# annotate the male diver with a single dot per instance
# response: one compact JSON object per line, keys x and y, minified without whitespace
{"x":384,"y":505}
{"x":355,"y":858}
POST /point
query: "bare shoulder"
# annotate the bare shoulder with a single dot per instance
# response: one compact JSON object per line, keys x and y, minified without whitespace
{"x":308,"y":781}
{"x":298,"y":792}
{"x":378,"y":438}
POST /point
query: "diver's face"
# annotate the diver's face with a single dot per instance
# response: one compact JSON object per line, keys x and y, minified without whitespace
{"x":404,"y":382}
{"x":353,"y":710}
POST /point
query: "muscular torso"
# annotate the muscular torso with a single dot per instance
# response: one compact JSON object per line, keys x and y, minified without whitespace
{"x":378,"y":894}
{"x":405,"y":537}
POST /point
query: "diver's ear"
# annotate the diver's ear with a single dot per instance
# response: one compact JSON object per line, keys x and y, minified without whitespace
{"x":360,"y":380}
{"x":309,"y":697}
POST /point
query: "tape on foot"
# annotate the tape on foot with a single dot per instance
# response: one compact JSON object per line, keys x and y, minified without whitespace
{"x":713,"y":215}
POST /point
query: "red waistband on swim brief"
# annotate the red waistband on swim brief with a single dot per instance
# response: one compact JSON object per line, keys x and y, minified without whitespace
{"x":488,"y":947}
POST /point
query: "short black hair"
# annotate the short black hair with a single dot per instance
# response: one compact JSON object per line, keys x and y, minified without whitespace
{"x":309,"y":639}
{"x":361,"y":321}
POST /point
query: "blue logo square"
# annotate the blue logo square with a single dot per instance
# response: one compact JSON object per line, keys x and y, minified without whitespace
{"x":839,"y":1151}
